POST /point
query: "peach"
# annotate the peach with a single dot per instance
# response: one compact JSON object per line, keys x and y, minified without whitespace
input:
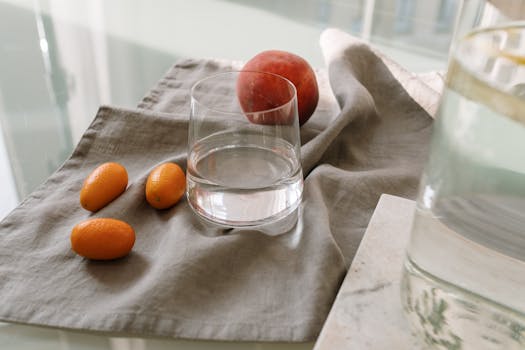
{"x":266,"y":98}
{"x":288,"y":65}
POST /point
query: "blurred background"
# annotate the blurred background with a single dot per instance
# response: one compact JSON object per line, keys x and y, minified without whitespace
{"x":61,"y":59}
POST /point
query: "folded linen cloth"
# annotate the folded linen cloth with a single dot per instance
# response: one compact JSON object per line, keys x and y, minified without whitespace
{"x":368,"y":136}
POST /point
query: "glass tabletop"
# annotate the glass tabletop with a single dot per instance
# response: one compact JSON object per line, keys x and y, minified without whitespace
{"x":62,"y":59}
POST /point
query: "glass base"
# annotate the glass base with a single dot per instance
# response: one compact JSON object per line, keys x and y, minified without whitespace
{"x":282,"y":225}
{"x":445,"y":316}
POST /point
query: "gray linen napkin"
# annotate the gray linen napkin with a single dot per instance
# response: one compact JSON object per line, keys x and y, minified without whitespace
{"x":366,"y":138}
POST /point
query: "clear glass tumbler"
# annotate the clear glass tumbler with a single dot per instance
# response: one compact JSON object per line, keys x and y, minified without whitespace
{"x":463,"y":285}
{"x":244,"y":150}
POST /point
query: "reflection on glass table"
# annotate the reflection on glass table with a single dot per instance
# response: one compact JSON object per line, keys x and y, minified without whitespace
{"x":62,"y":59}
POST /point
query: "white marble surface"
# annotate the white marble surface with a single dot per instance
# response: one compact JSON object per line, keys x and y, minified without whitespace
{"x":367,"y":312}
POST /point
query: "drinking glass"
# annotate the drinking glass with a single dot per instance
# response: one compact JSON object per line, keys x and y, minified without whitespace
{"x":244,"y":166}
{"x":464,"y":275}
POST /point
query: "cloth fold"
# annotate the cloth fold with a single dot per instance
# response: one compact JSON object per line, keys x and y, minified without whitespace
{"x":368,"y":136}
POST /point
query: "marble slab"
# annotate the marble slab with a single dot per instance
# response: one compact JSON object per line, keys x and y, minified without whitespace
{"x":367,"y":312}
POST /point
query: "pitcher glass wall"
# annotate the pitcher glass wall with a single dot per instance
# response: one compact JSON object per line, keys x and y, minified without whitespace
{"x":463,"y":285}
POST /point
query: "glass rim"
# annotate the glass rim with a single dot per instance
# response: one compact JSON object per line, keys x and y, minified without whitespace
{"x":230,"y":72}
{"x":491,"y":28}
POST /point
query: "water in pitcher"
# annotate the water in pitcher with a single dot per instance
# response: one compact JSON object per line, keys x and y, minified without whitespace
{"x":463,"y":285}
{"x":255,"y":179}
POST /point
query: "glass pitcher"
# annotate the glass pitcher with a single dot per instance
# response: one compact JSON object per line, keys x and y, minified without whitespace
{"x":463,"y":285}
